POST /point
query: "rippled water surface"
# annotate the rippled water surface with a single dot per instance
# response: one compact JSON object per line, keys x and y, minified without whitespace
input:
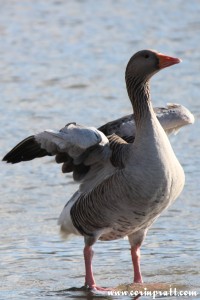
{"x":63,"y":61}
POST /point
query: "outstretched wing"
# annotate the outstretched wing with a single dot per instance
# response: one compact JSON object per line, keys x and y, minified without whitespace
{"x":72,"y":140}
{"x":26,"y":150}
{"x":79,"y":147}
{"x":172,"y":118}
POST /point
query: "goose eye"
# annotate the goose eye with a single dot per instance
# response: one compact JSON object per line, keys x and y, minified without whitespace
{"x":146,"y":56}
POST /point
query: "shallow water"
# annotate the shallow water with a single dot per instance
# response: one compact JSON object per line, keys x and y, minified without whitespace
{"x":63,"y":61}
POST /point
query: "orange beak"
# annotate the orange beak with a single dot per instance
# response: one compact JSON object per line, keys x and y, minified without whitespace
{"x":167,"y":61}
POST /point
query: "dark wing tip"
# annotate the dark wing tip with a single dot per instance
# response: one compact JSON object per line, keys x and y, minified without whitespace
{"x":27,"y":149}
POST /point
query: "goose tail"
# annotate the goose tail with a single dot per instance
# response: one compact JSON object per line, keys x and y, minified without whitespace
{"x":65,"y":221}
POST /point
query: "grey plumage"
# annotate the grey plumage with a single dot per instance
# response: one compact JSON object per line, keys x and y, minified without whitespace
{"x":172,"y":118}
{"x":127,"y":169}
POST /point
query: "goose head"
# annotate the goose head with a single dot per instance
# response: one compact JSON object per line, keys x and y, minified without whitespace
{"x":145,"y":63}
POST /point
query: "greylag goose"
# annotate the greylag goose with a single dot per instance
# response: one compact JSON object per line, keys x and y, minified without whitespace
{"x":124,"y":186}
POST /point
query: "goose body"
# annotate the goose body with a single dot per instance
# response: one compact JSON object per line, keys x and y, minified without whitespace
{"x":125,"y":183}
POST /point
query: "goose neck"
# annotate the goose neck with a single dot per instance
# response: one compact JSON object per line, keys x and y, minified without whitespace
{"x":139,"y":94}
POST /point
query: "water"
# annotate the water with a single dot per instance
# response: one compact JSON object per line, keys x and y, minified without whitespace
{"x":63,"y":61}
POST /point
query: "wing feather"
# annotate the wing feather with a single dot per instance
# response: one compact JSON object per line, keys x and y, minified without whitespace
{"x":78,"y":147}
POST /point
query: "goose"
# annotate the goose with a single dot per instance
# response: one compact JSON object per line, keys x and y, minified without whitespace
{"x":127,"y":170}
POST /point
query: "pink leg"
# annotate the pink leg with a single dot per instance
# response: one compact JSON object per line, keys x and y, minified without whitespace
{"x":89,"y":278}
{"x":135,"y":253}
